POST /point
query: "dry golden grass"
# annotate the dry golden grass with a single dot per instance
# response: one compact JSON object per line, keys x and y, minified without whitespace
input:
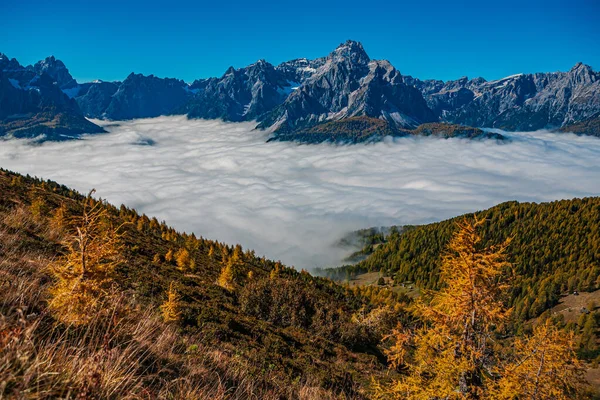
{"x":127,"y":352}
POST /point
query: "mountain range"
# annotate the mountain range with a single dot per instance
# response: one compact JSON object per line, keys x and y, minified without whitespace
{"x":345,"y":96}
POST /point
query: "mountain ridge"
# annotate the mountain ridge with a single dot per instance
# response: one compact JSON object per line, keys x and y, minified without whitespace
{"x":296,"y":95}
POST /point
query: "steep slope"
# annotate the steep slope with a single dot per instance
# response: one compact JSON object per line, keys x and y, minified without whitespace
{"x":94,"y":98}
{"x":57,"y":70}
{"x":272,"y":333}
{"x":142,"y":96}
{"x":138,"y":96}
{"x":300,"y":69}
{"x":239,"y":95}
{"x":588,"y":127}
{"x":33,"y":106}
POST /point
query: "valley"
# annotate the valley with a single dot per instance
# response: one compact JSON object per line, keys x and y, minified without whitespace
{"x":293,"y":203}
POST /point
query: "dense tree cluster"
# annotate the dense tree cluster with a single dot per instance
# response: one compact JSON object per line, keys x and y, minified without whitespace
{"x":555,"y":250}
{"x":458,"y":347}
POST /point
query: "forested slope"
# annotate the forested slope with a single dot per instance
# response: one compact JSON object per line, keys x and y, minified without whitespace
{"x":555,"y":249}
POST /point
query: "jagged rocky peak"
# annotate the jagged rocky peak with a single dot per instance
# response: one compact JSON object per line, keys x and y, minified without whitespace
{"x":240,"y":94}
{"x":385,"y":70}
{"x":259,"y":69}
{"x":4,"y":60}
{"x":582,"y":74}
{"x":7,"y":63}
{"x":55,"y":69}
{"x":300,"y":69}
{"x":351,"y":51}
{"x":229,"y":71}
{"x":260,"y":62}
{"x":350,"y":84}
{"x":581,"y":67}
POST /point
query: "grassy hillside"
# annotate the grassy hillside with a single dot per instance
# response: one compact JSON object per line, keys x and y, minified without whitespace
{"x":182,"y":317}
{"x":272,"y":333}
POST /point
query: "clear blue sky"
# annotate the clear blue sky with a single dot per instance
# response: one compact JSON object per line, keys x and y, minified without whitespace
{"x":194,"y":39}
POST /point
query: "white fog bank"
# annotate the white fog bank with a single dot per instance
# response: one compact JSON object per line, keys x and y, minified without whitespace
{"x":292,"y":202}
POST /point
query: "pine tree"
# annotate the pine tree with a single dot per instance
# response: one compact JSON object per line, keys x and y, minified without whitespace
{"x":587,"y":339}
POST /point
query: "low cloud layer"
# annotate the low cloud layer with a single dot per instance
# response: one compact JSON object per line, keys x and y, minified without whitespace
{"x":292,"y":202}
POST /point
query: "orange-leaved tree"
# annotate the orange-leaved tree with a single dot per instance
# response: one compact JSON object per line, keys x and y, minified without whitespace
{"x":453,"y":350}
{"x":227,"y":275}
{"x":450,"y":354}
{"x":83,"y":275}
{"x":543,"y":366}
{"x":171,"y":308}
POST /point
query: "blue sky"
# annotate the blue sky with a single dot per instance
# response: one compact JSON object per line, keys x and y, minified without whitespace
{"x":195,"y":39}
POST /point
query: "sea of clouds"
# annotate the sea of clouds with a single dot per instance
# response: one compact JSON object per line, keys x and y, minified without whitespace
{"x":294,"y":202}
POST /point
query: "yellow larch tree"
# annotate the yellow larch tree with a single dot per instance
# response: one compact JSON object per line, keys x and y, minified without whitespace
{"x":275,"y":271}
{"x":59,"y":220}
{"x":171,"y":308}
{"x":450,"y":355}
{"x":227,"y":276}
{"x":543,"y":366}
{"x":452,"y":352}
{"x":182,"y":258}
{"x":169,"y":256}
{"x":83,"y":275}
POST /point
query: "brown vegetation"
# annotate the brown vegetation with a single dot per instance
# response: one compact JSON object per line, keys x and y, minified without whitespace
{"x":133,"y":325}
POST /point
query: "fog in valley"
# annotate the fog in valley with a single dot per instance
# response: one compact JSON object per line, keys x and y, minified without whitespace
{"x":294,"y":202}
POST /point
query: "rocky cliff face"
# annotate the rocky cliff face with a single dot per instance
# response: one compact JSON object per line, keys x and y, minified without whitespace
{"x":299,"y":70}
{"x":57,"y":70}
{"x":349,"y":84}
{"x":32,"y":105}
{"x":297,"y":95}
{"x":518,"y":102}
{"x":94,"y":98}
{"x":239,"y":95}
{"x":142,"y":96}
